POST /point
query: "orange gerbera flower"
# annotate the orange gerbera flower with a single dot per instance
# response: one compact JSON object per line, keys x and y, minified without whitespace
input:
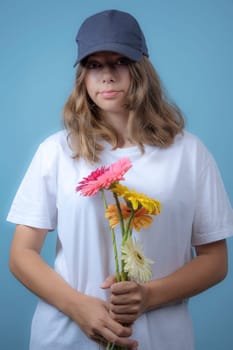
{"x":140,"y":219}
{"x":112,"y":215}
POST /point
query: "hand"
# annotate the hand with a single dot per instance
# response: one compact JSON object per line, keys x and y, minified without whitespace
{"x":127,"y":300}
{"x":95,"y":321}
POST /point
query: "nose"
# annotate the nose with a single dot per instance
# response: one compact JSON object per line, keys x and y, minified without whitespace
{"x":108,"y":74}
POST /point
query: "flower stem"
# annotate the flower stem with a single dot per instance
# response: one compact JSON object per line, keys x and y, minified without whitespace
{"x":118,"y":276}
{"x":112,"y":346}
{"x":128,"y":231}
{"x":119,"y":214}
{"x":124,"y":276}
{"x":124,"y":233}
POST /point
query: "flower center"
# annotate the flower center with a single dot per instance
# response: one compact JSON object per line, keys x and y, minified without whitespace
{"x":139,"y":258}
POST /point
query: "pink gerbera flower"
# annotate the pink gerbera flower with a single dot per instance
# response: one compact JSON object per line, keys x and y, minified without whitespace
{"x":90,"y":179}
{"x":103,"y":178}
{"x":115,"y":172}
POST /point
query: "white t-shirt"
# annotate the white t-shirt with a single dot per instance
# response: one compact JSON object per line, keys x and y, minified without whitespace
{"x":195,"y":211}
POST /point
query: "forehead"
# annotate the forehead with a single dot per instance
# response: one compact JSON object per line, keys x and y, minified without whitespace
{"x":104,"y":55}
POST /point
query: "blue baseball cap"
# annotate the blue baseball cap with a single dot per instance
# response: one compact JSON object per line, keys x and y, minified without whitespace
{"x":111,"y":30}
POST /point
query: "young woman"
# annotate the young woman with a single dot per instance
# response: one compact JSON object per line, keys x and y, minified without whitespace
{"x":118,"y":109}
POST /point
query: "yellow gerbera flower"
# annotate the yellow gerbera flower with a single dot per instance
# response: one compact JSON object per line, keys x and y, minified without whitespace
{"x":137,"y":266}
{"x":137,"y":199}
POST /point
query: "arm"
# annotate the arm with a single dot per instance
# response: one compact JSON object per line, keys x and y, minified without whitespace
{"x":91,"y":314}
{"x":129,"y":299}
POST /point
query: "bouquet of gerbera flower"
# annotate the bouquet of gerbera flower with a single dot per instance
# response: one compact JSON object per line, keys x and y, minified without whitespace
{"x":133,"y":211}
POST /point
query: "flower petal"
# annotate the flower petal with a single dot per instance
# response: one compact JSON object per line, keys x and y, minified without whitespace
{"x":103,"y":178}
{"x":111,"y":213}
{"x":137,"y":266}
{"x":137,"y":199}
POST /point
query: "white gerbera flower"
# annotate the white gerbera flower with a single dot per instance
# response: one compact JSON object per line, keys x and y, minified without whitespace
{"x":137,"y":266}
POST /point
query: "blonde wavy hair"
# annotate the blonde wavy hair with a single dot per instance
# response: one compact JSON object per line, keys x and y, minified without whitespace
{"x":153,"y":118}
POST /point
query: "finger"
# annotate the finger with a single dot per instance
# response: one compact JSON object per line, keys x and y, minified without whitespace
{"x":109,"y":281}
{"x":100,"y":340}
{"x":123,"y":287}
{"x":114,"y":338}
{"x":125,"y":315}
{"x":122,"y":299}
{"x":119,"y":329}
{"x":128,"y":319}
{"x":124,"y":309}
{"x":128,"y":299}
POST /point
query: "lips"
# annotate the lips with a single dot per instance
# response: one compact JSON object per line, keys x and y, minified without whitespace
{"x":109,"y":93}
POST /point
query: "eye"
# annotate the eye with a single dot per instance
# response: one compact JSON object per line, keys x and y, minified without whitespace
{"x":122,"y":61}
{"x":93,"y":65}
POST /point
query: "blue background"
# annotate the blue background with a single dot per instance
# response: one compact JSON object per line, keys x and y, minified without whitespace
{"x":190,"y":44}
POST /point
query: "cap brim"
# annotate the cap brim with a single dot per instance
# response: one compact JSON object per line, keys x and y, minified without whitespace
{"x":124,"y":50}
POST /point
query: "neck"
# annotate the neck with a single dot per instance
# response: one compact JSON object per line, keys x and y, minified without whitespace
{"x":120,"y":121}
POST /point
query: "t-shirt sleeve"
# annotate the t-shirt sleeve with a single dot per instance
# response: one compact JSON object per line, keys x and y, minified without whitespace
{"x":213,"y":219}
{"x":35,"y":201}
